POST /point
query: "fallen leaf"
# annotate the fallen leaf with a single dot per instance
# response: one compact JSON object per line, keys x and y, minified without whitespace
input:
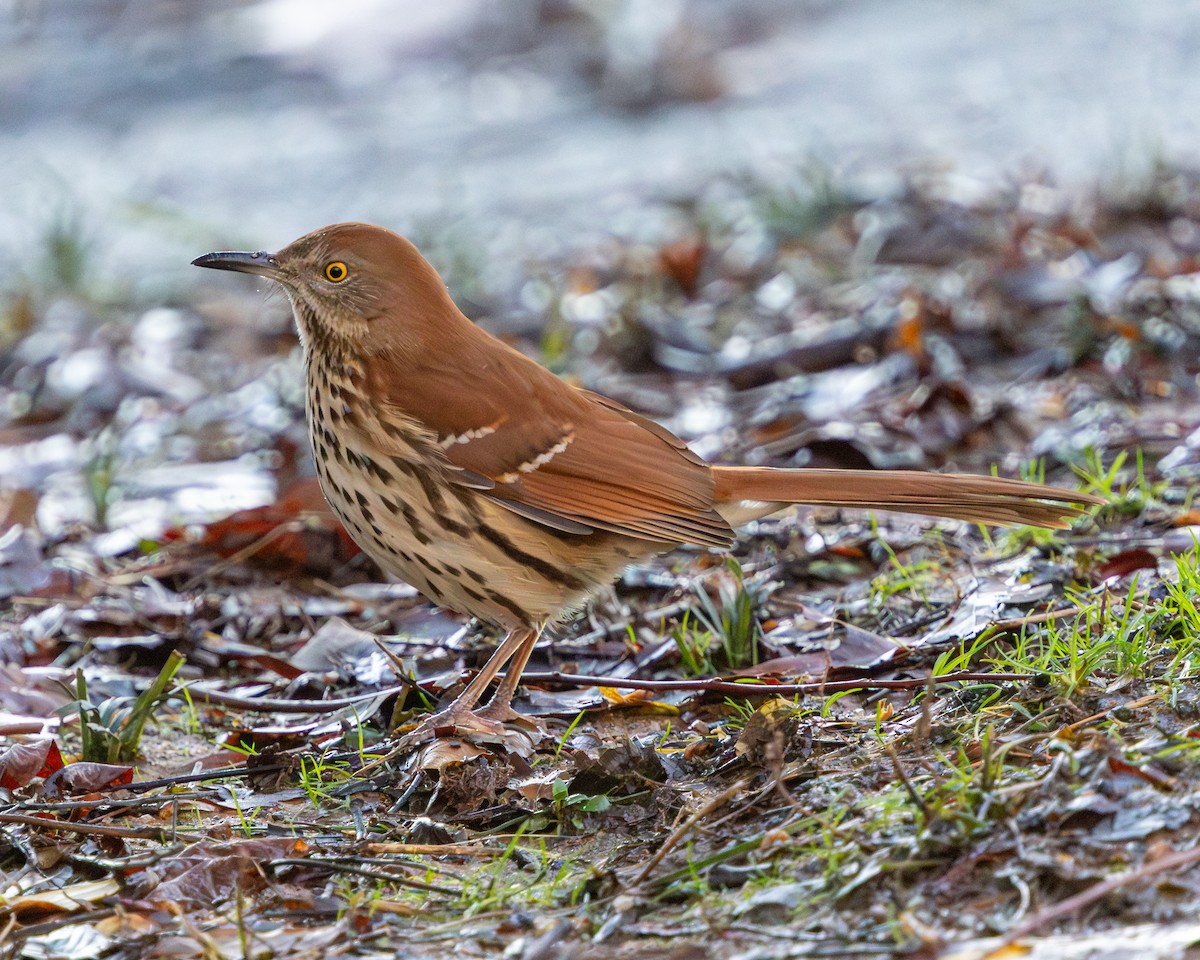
{"x":768,"y":731}
{"x":297,"y":532}
{"x":23,"y":762}
{"x":86,"y":777}
{"x":210,"y":872}
{"x":440,"y":753}
{"x":68,"y":899}
{"x":681,"y":261}
{"x":1126,"y":562}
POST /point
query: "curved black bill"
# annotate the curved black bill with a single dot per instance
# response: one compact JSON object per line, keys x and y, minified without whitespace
{"x":261,"y":263}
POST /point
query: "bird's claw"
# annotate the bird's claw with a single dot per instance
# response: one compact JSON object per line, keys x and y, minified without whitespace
{"x":503,"y":713}
{"x":454,"y":722}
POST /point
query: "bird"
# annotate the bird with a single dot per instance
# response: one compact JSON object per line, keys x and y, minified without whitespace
{"x":497,"y":489}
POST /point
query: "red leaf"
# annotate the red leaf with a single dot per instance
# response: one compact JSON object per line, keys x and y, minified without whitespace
{"x":22,"y":762}
{"x":682,"y":261}
{"x":1148,"y":773}
{"x":1127,"y":561}
{"x":296,"y":532}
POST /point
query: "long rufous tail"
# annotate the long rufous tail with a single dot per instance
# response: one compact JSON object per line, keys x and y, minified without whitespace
{"x":745,"y":493}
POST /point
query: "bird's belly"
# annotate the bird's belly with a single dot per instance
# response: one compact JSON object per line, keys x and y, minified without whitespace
{"x":464,"y":551}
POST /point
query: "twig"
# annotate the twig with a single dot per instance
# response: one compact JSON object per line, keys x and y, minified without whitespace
{"x":291,"y":526}
{"x":720,"y":685}
{"x":436,"y":850}
{"x":1065,"y":908}
{"x":397,"y":666}
{"x":908,"y":784}
{"x":268,"y":705}
{"x":709,"y":685}
{"x":95,"y":829}
{"x":10,"y":938}
{"x":993,"y":630}
{"x":341,"y":865}
{"x":673,"y":840}
{"x":1132,"y":705}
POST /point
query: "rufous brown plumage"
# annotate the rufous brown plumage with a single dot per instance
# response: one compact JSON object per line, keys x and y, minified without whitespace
{"x":497,"y":489}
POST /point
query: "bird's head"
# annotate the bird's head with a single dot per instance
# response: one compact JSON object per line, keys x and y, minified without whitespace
{"x":354,"y":286}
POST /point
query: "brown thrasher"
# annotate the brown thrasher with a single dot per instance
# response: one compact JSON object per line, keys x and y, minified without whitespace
{"x":476,"y":475}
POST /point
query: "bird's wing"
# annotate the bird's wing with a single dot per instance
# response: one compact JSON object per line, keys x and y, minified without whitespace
{"x":566,"y":458}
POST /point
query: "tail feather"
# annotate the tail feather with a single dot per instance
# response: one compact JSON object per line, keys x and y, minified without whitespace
{"x":744,"y":493}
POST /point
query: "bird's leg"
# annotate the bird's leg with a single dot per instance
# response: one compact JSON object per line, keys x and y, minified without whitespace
{"x":460,"y":715}
{"x":500,"y":706}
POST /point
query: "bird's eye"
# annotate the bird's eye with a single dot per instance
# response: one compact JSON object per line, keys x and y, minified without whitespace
{"x":336,"y":272}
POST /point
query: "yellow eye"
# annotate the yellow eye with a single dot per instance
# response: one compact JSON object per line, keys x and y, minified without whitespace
{"x":336,"y":272}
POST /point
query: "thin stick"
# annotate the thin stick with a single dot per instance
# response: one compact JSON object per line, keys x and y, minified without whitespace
{"x":673,"y":840}
{"x":907,"y":784}
{"x":291,"y":526}
{"x":720,"y":685}
{"x":436,"y":850}
{"x":1072,"y":905}
{"x":710,"y":685}
{"x":95,"y":829}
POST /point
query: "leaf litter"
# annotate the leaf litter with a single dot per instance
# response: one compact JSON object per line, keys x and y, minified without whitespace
{"x":862,"y":736}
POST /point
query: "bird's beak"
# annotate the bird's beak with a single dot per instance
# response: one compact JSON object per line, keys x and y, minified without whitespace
{"x":261,"y":263}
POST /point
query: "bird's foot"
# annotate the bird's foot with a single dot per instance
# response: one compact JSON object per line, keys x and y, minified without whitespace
{"x":504,"y":713}
{"x":454,"y":721}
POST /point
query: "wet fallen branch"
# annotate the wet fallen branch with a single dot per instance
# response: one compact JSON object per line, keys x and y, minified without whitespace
{"x":708,"y":685}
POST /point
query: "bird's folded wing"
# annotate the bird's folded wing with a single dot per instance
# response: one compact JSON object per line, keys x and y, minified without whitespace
{"x":562,"y":457}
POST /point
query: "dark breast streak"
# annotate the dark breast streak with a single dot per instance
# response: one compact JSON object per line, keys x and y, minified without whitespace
{"x":455,"y":547}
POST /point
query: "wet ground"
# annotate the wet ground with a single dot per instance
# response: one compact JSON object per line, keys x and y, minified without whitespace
{"x":800,"y":234}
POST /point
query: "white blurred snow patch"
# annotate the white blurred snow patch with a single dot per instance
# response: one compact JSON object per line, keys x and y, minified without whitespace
{"x":358,"y":39}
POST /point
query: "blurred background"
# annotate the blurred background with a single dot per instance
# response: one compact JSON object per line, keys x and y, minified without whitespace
{"x":154,"y":126}
{"x":818,"y":218}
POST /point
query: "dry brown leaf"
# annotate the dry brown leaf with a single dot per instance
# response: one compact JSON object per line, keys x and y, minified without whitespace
{"x":210,"y":872}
